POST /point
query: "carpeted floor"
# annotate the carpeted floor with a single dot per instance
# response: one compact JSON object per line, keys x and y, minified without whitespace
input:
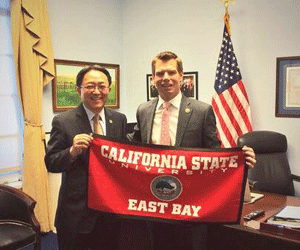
{"x":49,"y":242}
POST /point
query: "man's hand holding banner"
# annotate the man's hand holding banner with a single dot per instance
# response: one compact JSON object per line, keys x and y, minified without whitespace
{"x":152,"y":181}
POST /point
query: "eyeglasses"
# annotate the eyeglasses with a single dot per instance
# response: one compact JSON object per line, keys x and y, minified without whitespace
{"x":92,"y":88}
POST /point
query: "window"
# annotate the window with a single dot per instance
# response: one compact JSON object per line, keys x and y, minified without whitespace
{"x":11,"y":122}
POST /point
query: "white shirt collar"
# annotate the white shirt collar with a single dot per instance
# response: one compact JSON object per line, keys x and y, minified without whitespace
{"x":91,"y":114}
{"x":175,"y":101}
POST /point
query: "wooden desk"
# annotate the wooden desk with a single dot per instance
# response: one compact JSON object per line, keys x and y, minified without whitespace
{"x":242,"y":237}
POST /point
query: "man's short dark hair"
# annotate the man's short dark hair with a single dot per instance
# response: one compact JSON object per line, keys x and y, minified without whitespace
{"x":166,"y":56}
{"x":85,"y":70}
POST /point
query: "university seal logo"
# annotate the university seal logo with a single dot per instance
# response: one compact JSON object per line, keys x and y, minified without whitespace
{"x":166,"y":187}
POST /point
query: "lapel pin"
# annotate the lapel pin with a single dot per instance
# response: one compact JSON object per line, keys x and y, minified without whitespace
{"x":110,"y":121}
{"x":187,"y":110}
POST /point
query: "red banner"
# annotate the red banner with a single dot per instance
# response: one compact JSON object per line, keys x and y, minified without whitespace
{"x":151,"y":181}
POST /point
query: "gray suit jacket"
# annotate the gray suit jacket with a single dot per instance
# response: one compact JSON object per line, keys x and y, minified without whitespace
{"x":196,"y":128}
{"x":72,"y":208}
{"x":196,"y":124}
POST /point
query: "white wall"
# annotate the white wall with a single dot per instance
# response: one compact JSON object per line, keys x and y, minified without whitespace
{"x":131,"y":33}
{"x":90,"y":31}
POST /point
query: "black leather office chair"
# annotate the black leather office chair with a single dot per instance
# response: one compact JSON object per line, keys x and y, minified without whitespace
{"x":272,"y":171}
{"x":18,"y":225}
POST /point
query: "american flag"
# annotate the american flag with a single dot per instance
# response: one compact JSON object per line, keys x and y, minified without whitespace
{"x":230,"y":101}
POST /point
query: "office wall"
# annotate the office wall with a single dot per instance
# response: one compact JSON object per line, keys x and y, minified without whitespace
{"x":90,"y":31}
{"x":261,"y":31}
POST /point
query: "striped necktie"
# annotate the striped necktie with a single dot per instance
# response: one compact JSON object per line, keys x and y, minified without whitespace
{"x":97,"y":126}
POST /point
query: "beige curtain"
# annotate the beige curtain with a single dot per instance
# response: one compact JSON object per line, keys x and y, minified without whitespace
{"x":34,"y":69}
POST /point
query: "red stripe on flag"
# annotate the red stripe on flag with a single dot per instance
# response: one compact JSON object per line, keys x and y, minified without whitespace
{"x":240,"y":107}
{"x":242,"y":88}
{"x":247,"y":119}
{"x":224,"y":127}
{"x":235,"y":124}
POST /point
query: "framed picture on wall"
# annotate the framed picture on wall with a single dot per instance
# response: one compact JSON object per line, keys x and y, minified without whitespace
{"x":64,"y":93}
{"x":288,"y":87}
{"x":189,"y":86}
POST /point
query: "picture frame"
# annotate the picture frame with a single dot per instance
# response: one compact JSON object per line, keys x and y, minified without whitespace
{"x":288,"y":87}
{"x":189,"y":86}
{"x":64,"y":95}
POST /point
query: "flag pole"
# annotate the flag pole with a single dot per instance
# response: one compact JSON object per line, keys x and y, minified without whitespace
{"x":227,"y":16}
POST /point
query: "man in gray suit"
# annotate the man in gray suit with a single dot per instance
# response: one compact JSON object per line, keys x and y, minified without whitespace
{"x":79,"y":227}
{"x":191,"y":124}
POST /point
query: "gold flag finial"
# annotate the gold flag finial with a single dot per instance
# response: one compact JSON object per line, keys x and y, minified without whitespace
{"x":226,"y":3}
{"x":226,"y":16}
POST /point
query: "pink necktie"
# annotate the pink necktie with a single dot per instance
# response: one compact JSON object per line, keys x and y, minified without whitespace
{"x":97,"y":127}
{"x":165,"y":127}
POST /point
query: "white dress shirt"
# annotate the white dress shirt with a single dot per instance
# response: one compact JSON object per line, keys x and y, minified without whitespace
{"x":173,"y":120}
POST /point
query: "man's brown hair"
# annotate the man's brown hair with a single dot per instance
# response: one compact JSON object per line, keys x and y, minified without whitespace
{"x":166,"y":56}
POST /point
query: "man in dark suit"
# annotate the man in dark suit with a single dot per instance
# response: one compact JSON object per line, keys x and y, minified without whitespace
{"x":79,"y":227}
{"x":191,"y":124}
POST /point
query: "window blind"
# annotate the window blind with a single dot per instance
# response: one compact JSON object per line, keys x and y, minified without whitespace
{"x":11,"y":122}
